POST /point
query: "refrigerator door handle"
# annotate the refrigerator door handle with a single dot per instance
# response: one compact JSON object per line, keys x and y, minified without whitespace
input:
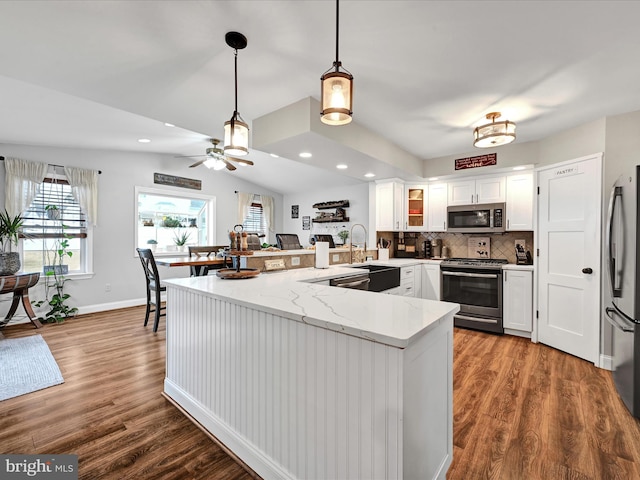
{"x":622,"y":324}
{"x":616,"y":291}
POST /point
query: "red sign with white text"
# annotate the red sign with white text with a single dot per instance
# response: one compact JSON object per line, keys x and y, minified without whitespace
{"x":479,"y":161}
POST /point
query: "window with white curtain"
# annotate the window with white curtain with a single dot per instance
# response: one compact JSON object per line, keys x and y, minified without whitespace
{"x":255,"y":219}
{"x":55,"y":215}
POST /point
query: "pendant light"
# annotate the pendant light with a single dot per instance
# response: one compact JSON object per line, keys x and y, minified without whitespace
{"x":495,"y":133}
{"x":336,"y":88}
{"x":236,"y":131}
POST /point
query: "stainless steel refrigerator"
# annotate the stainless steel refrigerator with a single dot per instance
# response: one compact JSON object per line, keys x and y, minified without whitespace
{"x":623,"y":310}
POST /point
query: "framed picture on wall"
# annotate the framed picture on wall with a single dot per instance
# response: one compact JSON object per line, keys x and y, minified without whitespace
{"x":306,"y":223}
{"x":294,"y":211}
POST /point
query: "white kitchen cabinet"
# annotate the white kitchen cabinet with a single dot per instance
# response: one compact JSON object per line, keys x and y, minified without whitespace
{"x":410,"y":281}
{"x":520,"y":197}
{"x":478,"y":190}
{"x":430,"y":281}
{"x":517,"y":301}
{"x":415,"y":207}
{"x":389,"y":206}
{"x":437,"y":207}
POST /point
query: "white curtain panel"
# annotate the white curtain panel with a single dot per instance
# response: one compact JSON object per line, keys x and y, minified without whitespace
{"x":268,"y":209}
{"x":244,"y":202}
{"x":22,"y":181}
{"x":84,"y":186}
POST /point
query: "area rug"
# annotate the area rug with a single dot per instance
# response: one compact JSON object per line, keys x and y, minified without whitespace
{"x":26,"y":365}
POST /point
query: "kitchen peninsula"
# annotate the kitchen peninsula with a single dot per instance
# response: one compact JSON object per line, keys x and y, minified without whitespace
{"x":303,"y":380}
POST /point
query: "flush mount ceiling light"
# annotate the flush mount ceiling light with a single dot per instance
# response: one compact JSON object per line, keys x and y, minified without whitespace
{"x":495,"y":133}
{"x":236,"y":131}
{"x":336,"y":89}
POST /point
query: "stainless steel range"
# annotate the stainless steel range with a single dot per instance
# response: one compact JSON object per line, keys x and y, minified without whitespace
{"x":476,"y":284}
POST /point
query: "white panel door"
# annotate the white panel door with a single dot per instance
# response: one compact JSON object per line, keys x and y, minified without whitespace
{"x":569,"y":262}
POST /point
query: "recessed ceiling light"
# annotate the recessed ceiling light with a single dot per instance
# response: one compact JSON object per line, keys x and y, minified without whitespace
{"x":305,"y":155}
{"x":518,"y":168}
{"x":342,"y":166}
{"x":144,"y":140}
{"x":432,"y":179}
{"x":169,"y":124}
{"x":274,"y":155}
{"x":369,"y":175}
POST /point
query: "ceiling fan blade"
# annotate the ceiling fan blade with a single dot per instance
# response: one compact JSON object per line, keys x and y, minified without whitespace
{"x":188,"y":156}
{"x":230,"y":167}
{"x":198,"y":163}
{"x":241,"y":160}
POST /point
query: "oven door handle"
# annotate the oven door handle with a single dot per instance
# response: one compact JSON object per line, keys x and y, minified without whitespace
{"x":473,"y":275}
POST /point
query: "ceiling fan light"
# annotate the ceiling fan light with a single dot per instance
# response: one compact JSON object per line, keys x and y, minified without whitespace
{"x":236,"y":138}
{"x":495,"y":133}
{"x":337,"y":98}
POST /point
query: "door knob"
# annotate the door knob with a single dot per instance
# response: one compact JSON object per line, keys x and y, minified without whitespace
{"x":587,"y":270}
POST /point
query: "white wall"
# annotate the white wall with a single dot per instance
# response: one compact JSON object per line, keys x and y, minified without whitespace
{"x":358,"y":210}
{"x":114,"y":262}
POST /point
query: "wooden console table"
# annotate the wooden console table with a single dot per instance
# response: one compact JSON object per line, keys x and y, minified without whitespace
{"x":19,"y":285}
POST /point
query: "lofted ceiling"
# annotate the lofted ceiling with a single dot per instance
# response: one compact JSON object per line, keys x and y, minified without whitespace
{"x":102,"y":74}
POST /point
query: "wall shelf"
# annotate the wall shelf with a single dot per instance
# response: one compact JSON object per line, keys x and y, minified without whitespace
{"x":334,"y":204}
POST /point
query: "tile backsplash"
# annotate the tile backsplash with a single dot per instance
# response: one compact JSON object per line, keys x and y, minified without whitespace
{"x":502,"y":245}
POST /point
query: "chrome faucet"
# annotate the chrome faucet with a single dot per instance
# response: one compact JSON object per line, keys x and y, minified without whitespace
{"x":351,"y":244}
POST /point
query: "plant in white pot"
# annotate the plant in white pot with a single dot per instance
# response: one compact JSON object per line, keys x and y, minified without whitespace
{"x":152,"y":244}
{"x":181,"y":240}
{"x":9,"y":230}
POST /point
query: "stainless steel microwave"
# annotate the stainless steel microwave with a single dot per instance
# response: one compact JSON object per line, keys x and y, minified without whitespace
{"x":477,"y":218}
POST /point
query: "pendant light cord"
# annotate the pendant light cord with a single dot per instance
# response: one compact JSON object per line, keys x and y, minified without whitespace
{"x":235,"y":52}
{"x":337,"y":32}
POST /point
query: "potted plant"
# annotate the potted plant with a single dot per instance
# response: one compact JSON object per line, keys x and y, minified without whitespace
{"x":9,"y":230}
{"x":152,"y":244}
{"x":53,"y":212}
{"x":54,"y":282}
{"x":181,"y":240}
{"x":170,"y":222}
{"x":343,"y":235}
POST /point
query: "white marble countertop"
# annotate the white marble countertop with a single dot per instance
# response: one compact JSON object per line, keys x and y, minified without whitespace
{"x":514,"y":266}
{"x":388,"y":319}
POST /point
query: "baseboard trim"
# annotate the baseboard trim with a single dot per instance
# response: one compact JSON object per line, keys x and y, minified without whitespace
{"x":255,"y":459}
{"x":606,"y":362}
{"x":102,"y":307}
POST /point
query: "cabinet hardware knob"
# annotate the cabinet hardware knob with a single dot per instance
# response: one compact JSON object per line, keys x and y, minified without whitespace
{"x":587,"y":270}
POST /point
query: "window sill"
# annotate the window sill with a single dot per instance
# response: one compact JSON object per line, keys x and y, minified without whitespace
{"x":69,"y":276}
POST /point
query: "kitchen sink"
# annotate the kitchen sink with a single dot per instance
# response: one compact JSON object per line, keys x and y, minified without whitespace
{"x":381,"y":277}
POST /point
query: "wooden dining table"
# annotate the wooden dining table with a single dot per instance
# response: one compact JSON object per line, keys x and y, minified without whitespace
{"x":201,"y":263}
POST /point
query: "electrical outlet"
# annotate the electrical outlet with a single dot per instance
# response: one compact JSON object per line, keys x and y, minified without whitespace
{"x":336,"y":257}
{"x":295,"y":261}
{"x":107,"y":287}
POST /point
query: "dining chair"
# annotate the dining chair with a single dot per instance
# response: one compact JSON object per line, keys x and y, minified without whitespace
{"x":205,"y":251}
{"x":288,"y":241}
{"x":324,"y":238}
{"x":153,"y":285}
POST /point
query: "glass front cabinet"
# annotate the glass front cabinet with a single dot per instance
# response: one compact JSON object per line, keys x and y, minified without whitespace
{"x":415,"y":207}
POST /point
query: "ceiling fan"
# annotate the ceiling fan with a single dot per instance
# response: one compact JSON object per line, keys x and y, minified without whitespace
{"x":216,"y":159}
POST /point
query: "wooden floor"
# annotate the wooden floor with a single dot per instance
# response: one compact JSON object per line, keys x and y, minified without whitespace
{"x":522,"y":411}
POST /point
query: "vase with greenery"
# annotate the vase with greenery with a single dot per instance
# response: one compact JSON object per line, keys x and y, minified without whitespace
{"x":55,"y":279}
{"x":9,"y":231}
{"x":343,"y":235}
